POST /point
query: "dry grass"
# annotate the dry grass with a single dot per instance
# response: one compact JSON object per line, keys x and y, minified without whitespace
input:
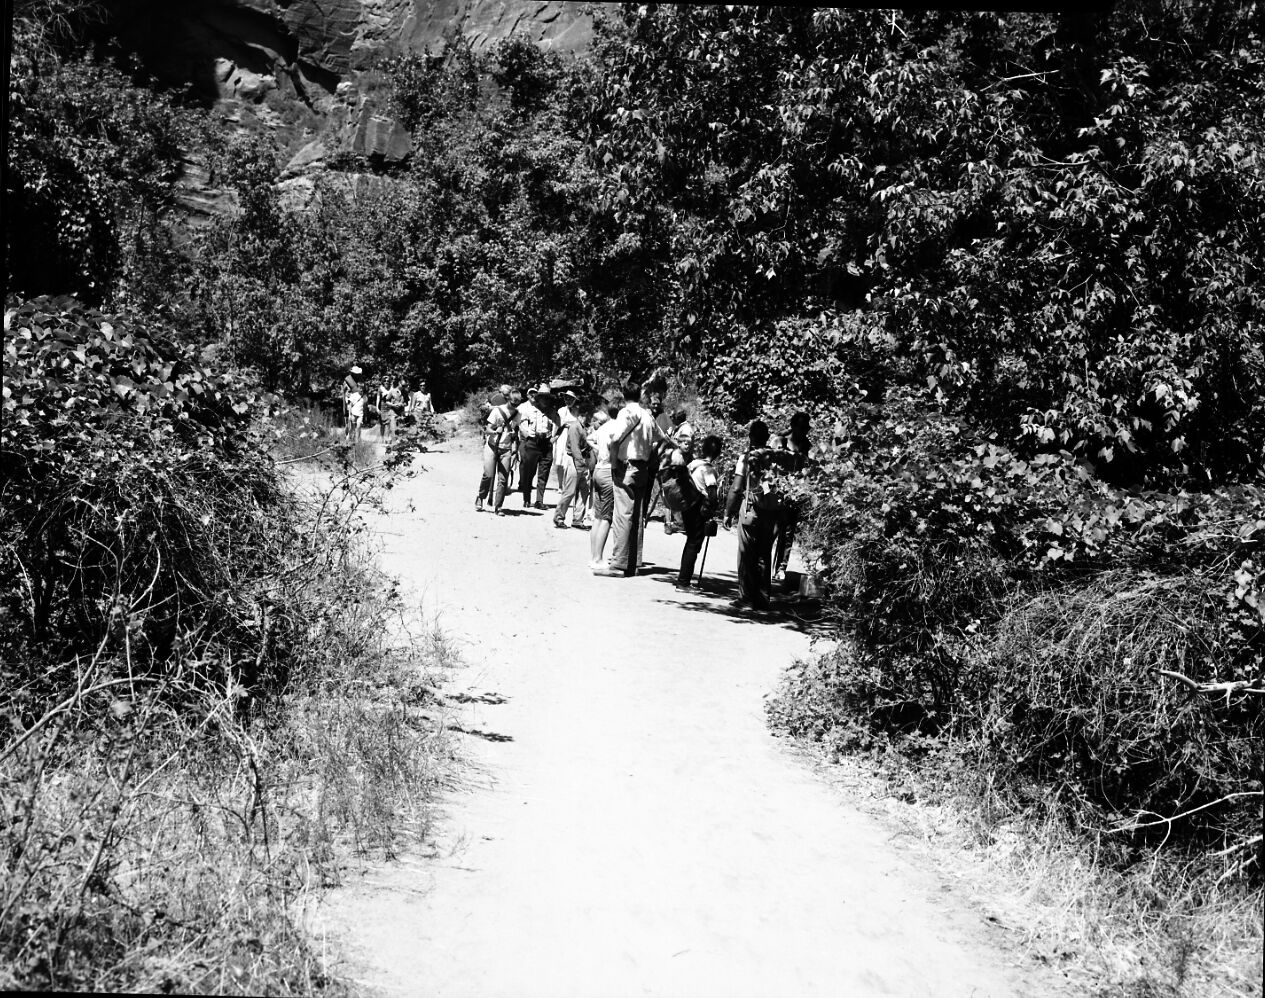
{"x":160,"y":834}
{"x":1158,"y":926}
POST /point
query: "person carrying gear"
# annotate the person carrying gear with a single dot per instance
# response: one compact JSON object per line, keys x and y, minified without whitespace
{"x":498,"y":448}
{"x":697,"y":515}
{"x":682,"y":434}
{"x":800,"y":445}
{"x":535,"y":453}
{"x":757,"y":503}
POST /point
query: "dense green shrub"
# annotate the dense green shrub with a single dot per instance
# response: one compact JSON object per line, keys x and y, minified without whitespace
{"x":203,"y":709}
{"x":91,"y":159}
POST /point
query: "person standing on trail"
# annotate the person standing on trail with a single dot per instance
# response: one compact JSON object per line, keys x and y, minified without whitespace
{"x":653,"y":395}
{"x":697,"y":517}
{"x":536,"y":432}
{"x":755,"y":501}
{"x":498,"y":448}
{"x":420,"y":403}
{"x":391,"y":407}
{"x":603,"y":487}
{"x":682,"y":434}
{"x":351,"y":383}
{"x":788,"y":523}
{"x":355,"y":403}
{"x":632,"y":444}
{"x":560,"y":464}
{"x":573,"y":469}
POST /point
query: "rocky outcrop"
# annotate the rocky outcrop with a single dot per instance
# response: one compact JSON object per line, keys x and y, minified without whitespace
{"x":302,"y":70}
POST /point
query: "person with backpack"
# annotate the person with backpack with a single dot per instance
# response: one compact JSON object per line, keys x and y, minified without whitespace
{"x":698,"y":505}
{"x":756,"y":502}
{"x":499,"y":434}
{"x":800,"y":445}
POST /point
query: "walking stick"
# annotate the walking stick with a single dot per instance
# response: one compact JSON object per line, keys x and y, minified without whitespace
{"x":706,"y":544}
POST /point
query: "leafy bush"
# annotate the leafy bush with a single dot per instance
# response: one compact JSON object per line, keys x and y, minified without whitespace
{"x":91,"y":160}
{"x":1025,"y":606}
{"x":202,"y":708}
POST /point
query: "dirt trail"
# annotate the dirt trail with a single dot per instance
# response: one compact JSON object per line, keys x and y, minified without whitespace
{"x":630,"y":827}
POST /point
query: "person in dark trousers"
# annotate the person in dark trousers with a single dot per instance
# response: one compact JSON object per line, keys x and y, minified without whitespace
{"x":696,"y":517}
{"x":754,"y":502}
{"x":535,"y":455}
{"x":800,"y":445}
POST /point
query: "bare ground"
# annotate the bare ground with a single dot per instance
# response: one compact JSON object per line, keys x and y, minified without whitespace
{"x":627,"y":825}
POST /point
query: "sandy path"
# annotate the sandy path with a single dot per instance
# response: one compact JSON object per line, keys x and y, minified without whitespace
{"x":635,"y":830}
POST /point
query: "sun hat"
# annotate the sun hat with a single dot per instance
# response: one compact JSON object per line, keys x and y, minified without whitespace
{"x":356,"y":369}
{"x":505,"y":390}
{"x":497,"y":398}
{"x":543,"y":389}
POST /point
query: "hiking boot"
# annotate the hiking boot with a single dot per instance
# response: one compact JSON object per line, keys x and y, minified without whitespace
{"x":500,"y":512}
{"x":478,"y":505}
{"x":559,"y":524}
{"x":538,"y":504}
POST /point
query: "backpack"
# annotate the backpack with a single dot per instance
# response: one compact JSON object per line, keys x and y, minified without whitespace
{"x":763,"y":496}
{"x":677,"y":487}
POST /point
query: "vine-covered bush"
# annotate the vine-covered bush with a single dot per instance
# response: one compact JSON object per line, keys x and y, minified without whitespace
{"x":139,"y":514}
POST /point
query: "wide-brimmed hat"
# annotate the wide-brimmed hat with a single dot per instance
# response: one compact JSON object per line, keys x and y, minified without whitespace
{"x":543,"y":389}
{"x":497,"y":398}
{"x":505,"y":390}
{"x":356,"y":370}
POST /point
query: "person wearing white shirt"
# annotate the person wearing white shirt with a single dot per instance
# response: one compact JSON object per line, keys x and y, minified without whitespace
{"x":419,"y":402}
{"x":536,"y":431}
{"x":632,"y":444}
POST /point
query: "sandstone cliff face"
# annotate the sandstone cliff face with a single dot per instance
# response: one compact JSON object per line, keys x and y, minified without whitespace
{"x":299,"y":70}
{"x":299,"y":62}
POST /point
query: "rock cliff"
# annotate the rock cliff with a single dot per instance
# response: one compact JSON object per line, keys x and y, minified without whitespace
{"x":297,"y":68}
{"x":301,"y":71}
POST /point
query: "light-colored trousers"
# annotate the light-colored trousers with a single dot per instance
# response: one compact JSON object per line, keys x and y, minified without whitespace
{"x":573,"y":486}
{"x":626,"y":527}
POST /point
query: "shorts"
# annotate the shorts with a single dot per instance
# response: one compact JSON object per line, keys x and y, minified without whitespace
{"x":603,"y":495}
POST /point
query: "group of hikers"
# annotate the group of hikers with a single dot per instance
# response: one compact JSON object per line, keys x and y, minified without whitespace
{"x":617,"y":457}
{"x":387,"y":403}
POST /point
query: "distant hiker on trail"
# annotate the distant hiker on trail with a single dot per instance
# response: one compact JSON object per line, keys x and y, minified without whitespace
{"x":697,"y":515}
{"x":391,"y":406}
{"x":573,"y":466}
{"x":632,"y":445}
{"x":536,"y":433}
{"x":788,"y":523}
{"x":757,"y":504}
{"x":419,"y":402}
{"x":351,"y":383}
{"x":498,"y":448}
{"x":355,"y":403}
{"x":603,"y":488}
